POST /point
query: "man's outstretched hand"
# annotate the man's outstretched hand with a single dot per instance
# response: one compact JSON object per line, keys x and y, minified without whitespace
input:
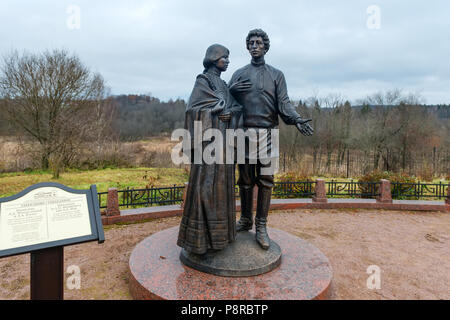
{"x":304,"y":127}
{"x":240,"y":86}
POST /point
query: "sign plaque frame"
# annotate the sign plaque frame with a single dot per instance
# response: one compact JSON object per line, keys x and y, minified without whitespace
{"x":41,"y":220}
{"x":94,"y":219}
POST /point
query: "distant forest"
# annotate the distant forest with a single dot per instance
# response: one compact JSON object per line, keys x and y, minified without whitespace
{"x":387,"y":131}
{"x":143,"y":116}
{"x":140,"y":116}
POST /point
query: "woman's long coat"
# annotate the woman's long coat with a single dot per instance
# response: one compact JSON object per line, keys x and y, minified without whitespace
{"x":209,"y":215}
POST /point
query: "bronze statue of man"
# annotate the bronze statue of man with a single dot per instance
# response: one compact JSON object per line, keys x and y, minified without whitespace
{"x":261,"y":90}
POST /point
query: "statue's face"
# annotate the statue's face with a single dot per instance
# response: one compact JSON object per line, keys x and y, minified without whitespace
{"x":222,"y":63}
{"x":256,"y":47}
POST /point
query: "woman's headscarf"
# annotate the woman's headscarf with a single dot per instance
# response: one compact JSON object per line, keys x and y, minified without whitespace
{"x":214,"y":53}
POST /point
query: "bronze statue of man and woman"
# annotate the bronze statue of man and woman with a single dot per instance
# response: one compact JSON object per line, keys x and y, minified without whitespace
{"x":254,"y":99}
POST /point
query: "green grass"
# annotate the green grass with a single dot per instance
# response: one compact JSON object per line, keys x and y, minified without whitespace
{"x":12,"y":183}
{"x":121,"y":178}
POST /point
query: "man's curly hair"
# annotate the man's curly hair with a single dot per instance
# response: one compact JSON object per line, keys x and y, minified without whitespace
{"x":259,"y":33}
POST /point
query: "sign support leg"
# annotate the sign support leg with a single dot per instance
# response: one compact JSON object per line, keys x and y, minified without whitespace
{"x":47,"y":274}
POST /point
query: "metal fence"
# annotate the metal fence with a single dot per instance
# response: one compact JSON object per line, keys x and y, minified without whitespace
{"x":290,"y":189}
{"x":294,"y":189}
{"x":352,"y":189}
{"x":160,"y":196}
{"x":102,"y":199}
{"x":419,"y":190}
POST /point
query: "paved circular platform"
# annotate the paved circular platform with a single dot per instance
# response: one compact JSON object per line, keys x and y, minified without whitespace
{"x":241,"y":258}
{"x":156,"y":272}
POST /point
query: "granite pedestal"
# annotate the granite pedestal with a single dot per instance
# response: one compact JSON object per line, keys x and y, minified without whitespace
{"x":243,"y":257}
{"x":156,"y":272}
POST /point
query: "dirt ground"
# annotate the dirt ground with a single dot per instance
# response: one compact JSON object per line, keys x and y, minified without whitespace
{"x":411,"y":249}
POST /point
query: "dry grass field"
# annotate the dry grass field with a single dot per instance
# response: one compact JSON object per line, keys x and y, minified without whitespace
{"x":17,"y":154}
{"x":135,"y":176}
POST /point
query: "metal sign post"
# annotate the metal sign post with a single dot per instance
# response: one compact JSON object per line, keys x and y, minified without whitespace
{"x":47,"y":274}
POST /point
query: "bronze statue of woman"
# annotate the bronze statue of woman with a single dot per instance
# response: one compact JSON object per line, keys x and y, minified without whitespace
{"x":209,"y":216}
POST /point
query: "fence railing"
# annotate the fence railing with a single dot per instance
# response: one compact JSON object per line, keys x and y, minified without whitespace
{"x":353,"y":189}
{"x":419,"y":190}
{"x":131,"y":198}
{"x":294,"y":189}
{"x":289,"y":189}
{"x":102,"y":199}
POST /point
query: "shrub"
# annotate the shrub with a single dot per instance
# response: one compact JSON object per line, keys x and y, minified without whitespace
{"x":148,"y":160}
{"x":290,"y":176}
{"x":293,"y":190}
{"x":426,"y":173}
{"x":376,"y":176}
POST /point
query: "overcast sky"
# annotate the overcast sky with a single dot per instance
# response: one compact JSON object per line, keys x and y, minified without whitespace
{"x":157,"y":46}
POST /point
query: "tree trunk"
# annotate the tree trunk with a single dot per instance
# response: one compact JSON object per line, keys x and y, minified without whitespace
{"x":56,"y":172}
{"x":44,"y":161}
{"x":329,"y":153}
{"x":314,"y":161}
{"x":376,"y":159}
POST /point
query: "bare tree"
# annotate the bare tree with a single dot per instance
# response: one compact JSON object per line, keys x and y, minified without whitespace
{"x":389,"y":116}
{"x":53,"y":97}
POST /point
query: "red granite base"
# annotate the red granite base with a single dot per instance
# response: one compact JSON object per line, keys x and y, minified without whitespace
{"x":156,"y":272}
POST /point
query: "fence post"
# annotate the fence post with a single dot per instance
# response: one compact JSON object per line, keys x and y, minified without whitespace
{"x":112,"y":203}
{"x":447,"y":201}
{"x":385,"y":192}
{"x":184,"y":194}
{"x":321,"y":193}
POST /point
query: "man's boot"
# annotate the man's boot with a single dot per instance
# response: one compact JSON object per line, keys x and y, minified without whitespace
{"x":245,"y":223}
{"x":262,"y":212}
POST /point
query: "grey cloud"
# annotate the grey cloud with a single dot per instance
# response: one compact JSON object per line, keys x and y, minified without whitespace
{"x":157,"y":46}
